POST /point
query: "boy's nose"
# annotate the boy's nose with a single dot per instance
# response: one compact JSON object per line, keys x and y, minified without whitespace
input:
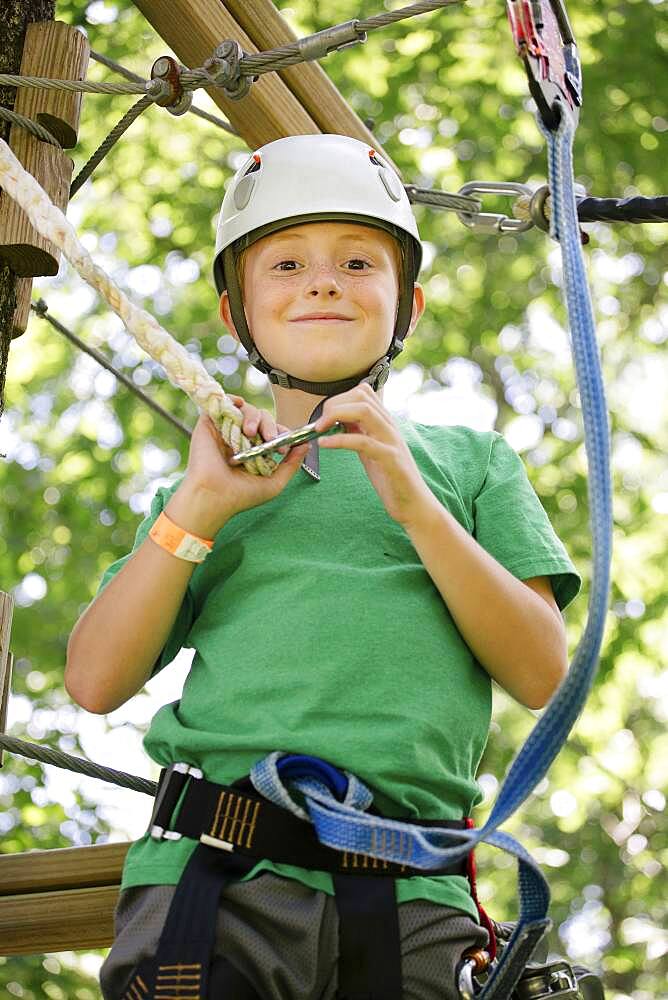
{"x":324,"y":282}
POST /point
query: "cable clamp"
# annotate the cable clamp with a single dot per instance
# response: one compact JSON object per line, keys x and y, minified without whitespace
{"x":340,"y":36}
{"x":170,"y":94}
{"x":224,"y":69}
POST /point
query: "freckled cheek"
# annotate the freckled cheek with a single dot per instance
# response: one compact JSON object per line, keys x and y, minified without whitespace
{"x":271,"y":305}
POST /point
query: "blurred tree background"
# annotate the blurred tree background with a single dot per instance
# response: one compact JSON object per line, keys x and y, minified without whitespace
{"x":446,"y":96}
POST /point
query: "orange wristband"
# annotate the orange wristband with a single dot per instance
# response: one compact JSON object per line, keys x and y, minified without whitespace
{"x":178,"y":542}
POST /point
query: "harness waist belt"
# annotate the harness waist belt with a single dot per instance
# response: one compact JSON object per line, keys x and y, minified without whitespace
{"x":235,"y":818}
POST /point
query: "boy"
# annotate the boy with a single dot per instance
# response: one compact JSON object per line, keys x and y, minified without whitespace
{"x":356,"y":617}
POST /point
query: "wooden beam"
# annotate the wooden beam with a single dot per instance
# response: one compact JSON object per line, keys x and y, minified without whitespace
{"x":307,"y":81}
{"x":74,"y":920}
{"x":63,"y":868}
{"x":193,"y":29}
{"x":299,"y":100}
{"x":60,"y":900}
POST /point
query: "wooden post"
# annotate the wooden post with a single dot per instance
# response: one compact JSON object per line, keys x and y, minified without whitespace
{"x":16,"y":14}
{"x":6,"y":658}
{"x":299,"y":100}
{"x":53,"y":49}
{"x":22,"y":310}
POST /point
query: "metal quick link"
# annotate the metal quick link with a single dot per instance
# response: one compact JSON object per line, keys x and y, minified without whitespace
{"x":490,"y":222}
{"x":341,"y":36}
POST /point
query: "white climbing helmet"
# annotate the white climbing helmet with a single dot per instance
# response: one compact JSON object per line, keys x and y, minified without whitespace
{"x":312,"y":178}
{"x":315,"y":178}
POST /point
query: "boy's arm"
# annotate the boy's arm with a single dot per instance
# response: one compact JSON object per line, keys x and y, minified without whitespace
{"x":514,"y":628}
{"x":116,"y":641}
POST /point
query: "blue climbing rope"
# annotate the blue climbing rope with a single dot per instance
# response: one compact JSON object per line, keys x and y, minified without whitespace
{"x":339,"y":817}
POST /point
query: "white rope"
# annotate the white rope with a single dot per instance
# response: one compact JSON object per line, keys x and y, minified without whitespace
{"x":183,"y":369}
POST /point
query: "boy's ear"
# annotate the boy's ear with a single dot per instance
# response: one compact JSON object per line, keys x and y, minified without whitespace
{"x":419,"y":303}
{"x":226,"y":313}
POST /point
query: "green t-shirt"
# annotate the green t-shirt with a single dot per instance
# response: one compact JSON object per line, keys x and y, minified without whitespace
{"x":317,"y":630}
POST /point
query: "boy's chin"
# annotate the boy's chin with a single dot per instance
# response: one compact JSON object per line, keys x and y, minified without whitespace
{"x":332,"y":369}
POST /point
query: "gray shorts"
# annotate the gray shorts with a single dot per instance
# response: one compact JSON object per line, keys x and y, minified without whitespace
{"x":283,"y":936}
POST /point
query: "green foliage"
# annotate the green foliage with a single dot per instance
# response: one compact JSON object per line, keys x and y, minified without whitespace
{"x":448,"y":101}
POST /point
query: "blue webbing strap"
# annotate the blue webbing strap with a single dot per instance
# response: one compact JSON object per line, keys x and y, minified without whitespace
{"x":345,"y":825}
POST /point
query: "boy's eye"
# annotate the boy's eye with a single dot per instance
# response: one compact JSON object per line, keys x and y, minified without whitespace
{"x":291,"y":265}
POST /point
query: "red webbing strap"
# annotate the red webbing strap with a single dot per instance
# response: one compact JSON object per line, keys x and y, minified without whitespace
{"x":484,"y":919}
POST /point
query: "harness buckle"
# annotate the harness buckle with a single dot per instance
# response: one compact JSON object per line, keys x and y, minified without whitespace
{"x":172,"y":782}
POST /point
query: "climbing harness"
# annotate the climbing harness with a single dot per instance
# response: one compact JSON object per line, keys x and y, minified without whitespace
{"x":236,"y":827}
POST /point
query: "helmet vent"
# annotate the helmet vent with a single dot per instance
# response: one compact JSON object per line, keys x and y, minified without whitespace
{"x":373,"y":156}
{"x":255,"y":165}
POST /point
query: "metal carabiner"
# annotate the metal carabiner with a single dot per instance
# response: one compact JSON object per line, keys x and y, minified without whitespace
{"x":465,"y":980}
{"x":489,"y":222}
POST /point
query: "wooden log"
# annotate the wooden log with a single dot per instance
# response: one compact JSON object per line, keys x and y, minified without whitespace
{"x":22,"y":310}
{"x":308,"y":81}
{"x":59,"y":900}
{"x":62,"y":869}
{"x":6,"y":658}
{"x":42,"y":922}
{"x":56,"y":50}
{"x":193,"y":29}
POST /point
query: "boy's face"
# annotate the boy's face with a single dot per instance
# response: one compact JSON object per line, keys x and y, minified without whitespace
{"x":321,"y":298}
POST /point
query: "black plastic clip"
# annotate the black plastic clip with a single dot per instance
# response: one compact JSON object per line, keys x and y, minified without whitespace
{"x":172,"y":782}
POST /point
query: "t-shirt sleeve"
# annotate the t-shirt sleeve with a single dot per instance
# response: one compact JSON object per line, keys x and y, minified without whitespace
{"x":512,"y":525}
{"x":185,"y":617}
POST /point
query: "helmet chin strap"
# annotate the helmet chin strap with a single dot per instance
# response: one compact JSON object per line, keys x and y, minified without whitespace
{"x":376,"y":376}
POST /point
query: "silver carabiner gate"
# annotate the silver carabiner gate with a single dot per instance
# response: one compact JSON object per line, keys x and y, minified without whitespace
{"x":490,"y":222}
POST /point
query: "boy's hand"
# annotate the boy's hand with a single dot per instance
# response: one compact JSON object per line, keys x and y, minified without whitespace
{"x":371,"y":432}
{"x":222,"y":489}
